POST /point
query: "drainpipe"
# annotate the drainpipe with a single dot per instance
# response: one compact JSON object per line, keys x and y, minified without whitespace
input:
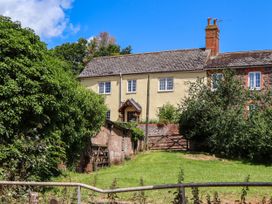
{"x":147,"y":111}
{"x":120,"y":90}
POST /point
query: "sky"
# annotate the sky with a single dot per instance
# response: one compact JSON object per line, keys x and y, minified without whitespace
{"x":147,"y":25}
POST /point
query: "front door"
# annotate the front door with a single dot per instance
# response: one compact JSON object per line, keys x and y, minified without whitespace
{"x":131,"y":116}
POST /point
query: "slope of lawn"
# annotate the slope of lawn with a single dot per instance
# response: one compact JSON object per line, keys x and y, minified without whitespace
{"x":163,"y":168}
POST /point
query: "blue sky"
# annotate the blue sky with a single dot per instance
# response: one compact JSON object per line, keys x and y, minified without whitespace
{"x":154,"y":25}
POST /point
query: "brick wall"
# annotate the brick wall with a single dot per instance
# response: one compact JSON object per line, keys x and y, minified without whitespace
{"x":242,"y":73}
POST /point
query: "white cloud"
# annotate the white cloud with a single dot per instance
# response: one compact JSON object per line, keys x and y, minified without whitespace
{"x":46,"y":17}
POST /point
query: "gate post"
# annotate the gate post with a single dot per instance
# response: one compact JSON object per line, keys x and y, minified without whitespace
{"x":33,"y":198}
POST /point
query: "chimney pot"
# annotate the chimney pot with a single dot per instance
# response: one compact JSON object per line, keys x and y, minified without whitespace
{"x":214,"y":21}
{"x":209,"y":21}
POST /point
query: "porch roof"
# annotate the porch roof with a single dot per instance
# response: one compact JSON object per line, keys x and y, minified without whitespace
{"x":130,"y":102}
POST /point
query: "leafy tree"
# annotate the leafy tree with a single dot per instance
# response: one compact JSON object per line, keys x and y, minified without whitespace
{"x":73,"y":53}
{"x":220,"y":121}
{"x":46,"y":116}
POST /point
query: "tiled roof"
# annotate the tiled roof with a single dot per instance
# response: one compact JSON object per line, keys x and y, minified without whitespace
{"x":165,"y":61}
{"x":240,"y":59}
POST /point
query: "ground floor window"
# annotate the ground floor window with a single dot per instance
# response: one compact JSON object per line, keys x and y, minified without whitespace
{"x":108,"y":113}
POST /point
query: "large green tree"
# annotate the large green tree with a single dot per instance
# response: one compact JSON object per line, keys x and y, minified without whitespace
{"x":73,"y":53}
{"x":46,"y":116}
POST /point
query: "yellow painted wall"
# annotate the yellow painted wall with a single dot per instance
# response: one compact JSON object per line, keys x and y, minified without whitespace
{"x":157,"y":99}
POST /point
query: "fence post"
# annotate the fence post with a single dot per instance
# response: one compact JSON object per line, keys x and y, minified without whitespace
{"x":33,"y":198}
{"x":183,"y":195}
{"x":78,"y":195}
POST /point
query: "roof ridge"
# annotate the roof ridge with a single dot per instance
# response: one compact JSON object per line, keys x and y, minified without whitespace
{"x":244,"y":51}
{"x":144,"y":53}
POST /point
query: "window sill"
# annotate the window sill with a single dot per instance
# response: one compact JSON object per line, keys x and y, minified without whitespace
{"x":132,"y":92}
{"x":255,"y":89}
{"x":165,"y":91}
{"x":104,"y":93}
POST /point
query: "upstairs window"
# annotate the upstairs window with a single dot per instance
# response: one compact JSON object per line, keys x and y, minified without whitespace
{"x":215,"y":78}
{"x":104,"y":87}
{"x":166,"y":84}
{"x":254,"y":80}
{"x":131,"y":86}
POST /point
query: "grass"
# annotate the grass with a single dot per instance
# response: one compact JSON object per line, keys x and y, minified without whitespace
{"x":163,"y":168}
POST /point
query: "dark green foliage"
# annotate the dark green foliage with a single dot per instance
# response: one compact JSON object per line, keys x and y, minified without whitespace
{"x":73,"y":53}
{"x":221,"y":122}
{"x":168,"y":114}
{"x":46,"y":116}
{"x":127,"y":50}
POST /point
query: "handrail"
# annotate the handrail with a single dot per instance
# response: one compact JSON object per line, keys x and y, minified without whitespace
{"x":139,"y":188}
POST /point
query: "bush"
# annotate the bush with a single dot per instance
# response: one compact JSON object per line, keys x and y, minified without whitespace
{"x":168,"y":114}
{"x":46,"y":116}
{"x":220,"y":120}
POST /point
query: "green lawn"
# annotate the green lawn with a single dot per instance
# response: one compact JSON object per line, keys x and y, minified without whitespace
{"x":163,"y":168}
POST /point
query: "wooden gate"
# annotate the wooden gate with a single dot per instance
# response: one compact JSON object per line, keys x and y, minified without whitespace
{"x":167,"y":142}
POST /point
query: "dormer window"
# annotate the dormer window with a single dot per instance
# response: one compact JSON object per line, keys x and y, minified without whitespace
{"x":254,"y":80}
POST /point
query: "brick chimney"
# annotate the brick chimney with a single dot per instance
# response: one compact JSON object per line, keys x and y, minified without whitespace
{"x":212,"y":37}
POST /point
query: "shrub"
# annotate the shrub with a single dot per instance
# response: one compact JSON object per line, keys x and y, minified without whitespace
{"x":168,"y":114}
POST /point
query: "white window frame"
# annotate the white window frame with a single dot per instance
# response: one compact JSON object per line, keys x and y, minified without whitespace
{"x":104,"y":87}
{"x":132,"y":81}
{"x":108,"y":115}
{"x":217,"y":78}
{"x":254,"y":80}
{"x":166,"y":84}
